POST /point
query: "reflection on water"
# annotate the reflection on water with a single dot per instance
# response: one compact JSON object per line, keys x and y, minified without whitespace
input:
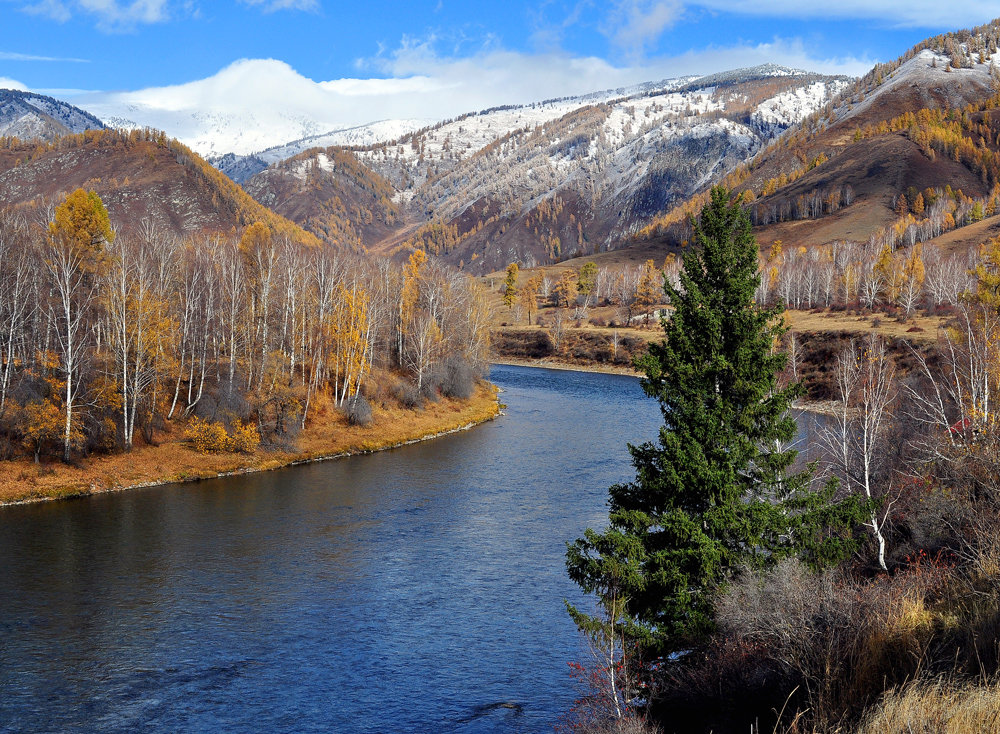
{"x":415,"y":590}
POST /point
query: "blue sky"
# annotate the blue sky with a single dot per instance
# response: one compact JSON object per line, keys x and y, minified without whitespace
{"x":117,"y":45}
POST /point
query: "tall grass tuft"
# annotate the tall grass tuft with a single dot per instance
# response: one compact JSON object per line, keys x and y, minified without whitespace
{"x":936,"y":707}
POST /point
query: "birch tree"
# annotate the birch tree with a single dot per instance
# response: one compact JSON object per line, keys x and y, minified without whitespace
{"x":855,"y":436}
{"x":73,"y":258}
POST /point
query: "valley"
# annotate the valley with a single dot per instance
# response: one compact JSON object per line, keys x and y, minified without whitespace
{"x":224,"y":283}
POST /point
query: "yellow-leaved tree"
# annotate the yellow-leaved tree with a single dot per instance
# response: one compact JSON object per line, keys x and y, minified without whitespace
{"x":409,"y":296}
{"x":529,"y":295}
{"x":650,"y":290}
{"x":510,"y":286}
{"x":74,"y":258}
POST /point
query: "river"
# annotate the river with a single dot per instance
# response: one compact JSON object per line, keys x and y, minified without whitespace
{"x":414,"y":590}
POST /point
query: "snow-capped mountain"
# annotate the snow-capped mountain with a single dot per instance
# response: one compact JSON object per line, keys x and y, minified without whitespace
{"x":241,"y":167}
{"x":622,"y":127}
{"x":538,"y":182}
{"x":30,"y":116}
{"x":248,"y":107}
{"x":353,"y":137}
{"x":257,"y":104}
{"x":487,"y":126}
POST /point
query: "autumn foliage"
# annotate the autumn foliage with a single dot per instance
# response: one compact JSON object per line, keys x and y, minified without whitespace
{"x":110,"y":336}
{"x":212,"y":436}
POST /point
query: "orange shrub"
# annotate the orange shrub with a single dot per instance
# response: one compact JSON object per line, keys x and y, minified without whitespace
{"x":207,"y":436}
{"x":245,"y":438}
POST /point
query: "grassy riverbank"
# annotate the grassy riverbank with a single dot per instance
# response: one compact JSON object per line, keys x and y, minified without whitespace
{"x":172,"y":459}
{"x":819,"y":338}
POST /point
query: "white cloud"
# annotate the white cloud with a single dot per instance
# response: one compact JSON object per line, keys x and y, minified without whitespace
{"x":269,"y":6}
{"x":111,"y":15}
{"x":498,"y":76}
{"x":634,"y":24}
{"x":787,"y":52}
{"x":914,"y":13}
{"x":254,"y":104}
{"x":63,"y":92}
{"x":52,"y":8}
{"x":6,"y":83}
{"x":13,"y":56}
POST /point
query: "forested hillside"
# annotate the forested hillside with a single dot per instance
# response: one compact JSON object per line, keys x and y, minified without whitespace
{"x":330,"y":194}
{"x":904,"y":155}
{"x":140,"y":174}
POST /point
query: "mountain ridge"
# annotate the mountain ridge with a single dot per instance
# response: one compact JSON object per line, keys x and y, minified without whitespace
{"x":31,"y":116}
{"x":140,"y":176}
{"x":880,"y":143}
{"x":589,"y":166}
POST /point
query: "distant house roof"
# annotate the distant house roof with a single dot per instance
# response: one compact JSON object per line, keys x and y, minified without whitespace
{"x":961,"y":426}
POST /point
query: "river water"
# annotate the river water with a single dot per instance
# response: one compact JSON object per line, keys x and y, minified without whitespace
{"x":414,"y":590}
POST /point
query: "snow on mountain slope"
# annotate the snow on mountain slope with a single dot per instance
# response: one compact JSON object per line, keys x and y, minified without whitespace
{"x":241,"y":167}
{"x":925,"y":80}
{"x":352,"y":137}
{"x":789,"y":107}
{"x":30,"y":116}
{"x":486,"y":127}
{"x":535,"y":183}
{"x":597,"y":148}
{"x":431,"y":151}
{"x":256,"y":104}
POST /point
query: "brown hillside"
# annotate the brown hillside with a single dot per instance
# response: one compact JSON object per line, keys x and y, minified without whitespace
{"x":139,"y":175}
{"x":965,"y":237}
{"x":878,"y":170}
{"x":331,"y":194}
{"x":925,"y":122}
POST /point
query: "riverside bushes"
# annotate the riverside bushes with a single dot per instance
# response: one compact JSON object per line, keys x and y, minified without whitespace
{"x":358,"y":411}
{"x":582,"y":347}
{"x":456,"y":378}
{"x":852,"y":650}
{"x":210,"y":437}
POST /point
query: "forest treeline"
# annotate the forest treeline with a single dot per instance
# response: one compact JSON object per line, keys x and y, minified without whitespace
{"x":107,"y":335}
{"x":883,"y":274}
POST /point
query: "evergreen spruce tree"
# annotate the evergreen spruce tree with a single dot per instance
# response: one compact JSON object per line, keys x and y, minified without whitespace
{"x":715,"y":493}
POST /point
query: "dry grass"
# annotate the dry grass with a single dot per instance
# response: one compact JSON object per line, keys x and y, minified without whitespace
{"x":800,"y":321}
{"x":833,"y":321}
{"x":328,"y":434}
{"x":851,"y":223}
{"x":972,"y":235}
{"x":632,"y":254}
{"x":917,"y":329}
{"x":936,"y":708}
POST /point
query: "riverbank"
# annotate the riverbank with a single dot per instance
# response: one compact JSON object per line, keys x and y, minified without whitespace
{"x":819,"y":407}
{"x":172,"y":460}
{"x":555,"y":364}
